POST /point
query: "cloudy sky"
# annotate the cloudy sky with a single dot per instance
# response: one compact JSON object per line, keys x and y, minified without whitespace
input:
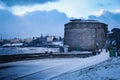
{"x":28,"y":18}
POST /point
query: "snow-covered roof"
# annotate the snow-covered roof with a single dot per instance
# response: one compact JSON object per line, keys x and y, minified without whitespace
{"x":13,"y":44}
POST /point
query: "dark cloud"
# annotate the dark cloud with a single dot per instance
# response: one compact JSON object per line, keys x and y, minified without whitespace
{"x":10,"y":3}
{"x":32,"y":24}
{"x":112,"y":19}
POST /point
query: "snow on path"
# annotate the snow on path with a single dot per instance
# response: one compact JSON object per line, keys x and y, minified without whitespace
{"x":107,"y":70}
{"x":48,"y":68}
{"x":83,"y":63}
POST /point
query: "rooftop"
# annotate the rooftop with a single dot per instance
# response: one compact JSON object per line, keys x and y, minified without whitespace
{"x":81,"y":20}
{"x":74,"y":21}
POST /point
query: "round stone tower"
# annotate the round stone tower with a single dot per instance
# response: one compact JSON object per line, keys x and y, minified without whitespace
{"x":85,"y":34}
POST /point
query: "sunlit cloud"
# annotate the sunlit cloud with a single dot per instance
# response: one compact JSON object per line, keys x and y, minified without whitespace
{"x":102,"y":11}
{"x":117,"y":11}
{"x":72,"y":8}
{"x":98,"y":13}
{"x":61,"y":6}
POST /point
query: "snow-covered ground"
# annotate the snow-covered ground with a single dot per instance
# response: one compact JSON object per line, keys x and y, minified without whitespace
{"x":47,"y":69}
{"x":108,"y":70}
{"x":26,"y":50}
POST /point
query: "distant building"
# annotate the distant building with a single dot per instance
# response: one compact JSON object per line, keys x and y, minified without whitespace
{"x":59,"y":43}
{"x":15,"y":40}
{"x":28,"y":40}
{"x":50,"y":38}
{"x":1,"y":40}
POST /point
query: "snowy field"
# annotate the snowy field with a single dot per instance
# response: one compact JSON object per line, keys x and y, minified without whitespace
{"x":26,"y":50}
{"x":48,"y":69}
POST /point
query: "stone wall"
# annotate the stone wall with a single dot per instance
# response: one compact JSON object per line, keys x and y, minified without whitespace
{"x":85,"y":36}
